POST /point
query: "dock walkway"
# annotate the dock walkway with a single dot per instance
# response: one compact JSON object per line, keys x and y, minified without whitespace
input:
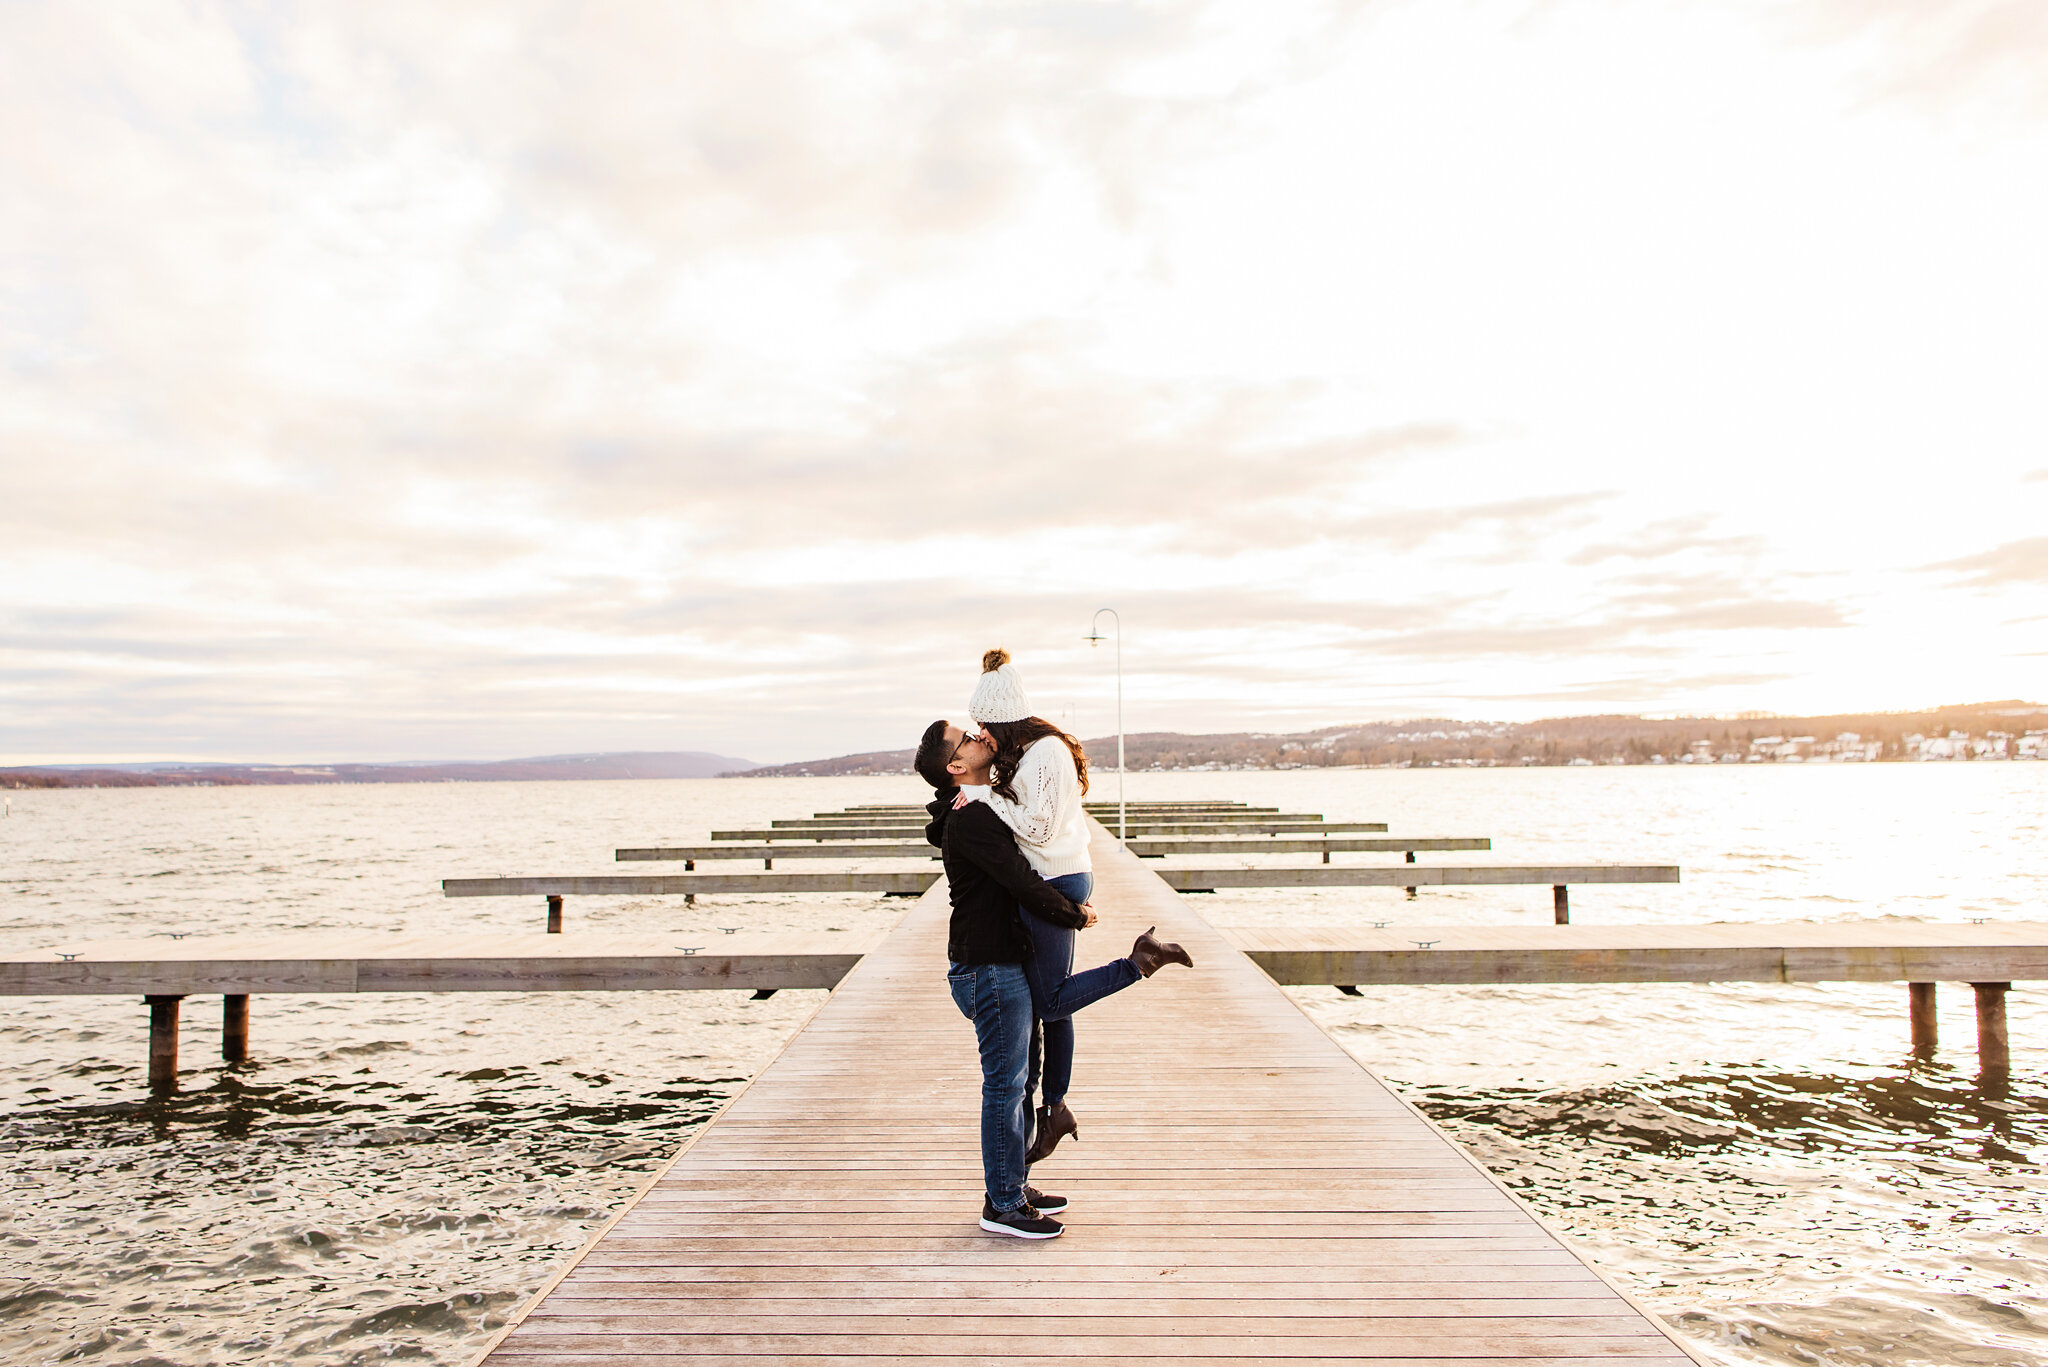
{"x":1243,"y":1191}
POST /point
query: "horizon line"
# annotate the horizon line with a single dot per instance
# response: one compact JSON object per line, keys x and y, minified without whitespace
{"x":2015,"y":706}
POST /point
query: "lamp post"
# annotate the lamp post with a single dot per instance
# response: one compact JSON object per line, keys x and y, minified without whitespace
{"x":1094,"y":638}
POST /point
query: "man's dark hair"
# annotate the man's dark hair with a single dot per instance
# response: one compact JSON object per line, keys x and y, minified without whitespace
{"x":932,"y":754}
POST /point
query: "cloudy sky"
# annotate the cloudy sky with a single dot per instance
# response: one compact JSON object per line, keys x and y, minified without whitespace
{"x":408,"y":380}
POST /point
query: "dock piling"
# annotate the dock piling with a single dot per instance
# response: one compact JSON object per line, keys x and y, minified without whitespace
{"x":1921,"y":996}
{"x":1561,"y":904}
{"x":1994,"y":1048}
{"x":554,"y":914}
{"x":163,"y":1042}
{"x":234,"y":1027}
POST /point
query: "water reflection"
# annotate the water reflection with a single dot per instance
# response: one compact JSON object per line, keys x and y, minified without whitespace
{"x":390,"y":1176}
{"x":1894,"y":1215}
{"x":342,"y":1218}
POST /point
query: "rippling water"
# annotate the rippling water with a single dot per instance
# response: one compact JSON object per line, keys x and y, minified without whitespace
{"x":390,"y":1176}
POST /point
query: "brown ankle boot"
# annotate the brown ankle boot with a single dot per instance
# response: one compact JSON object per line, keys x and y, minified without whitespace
{"x":1149,"y":954}
{"x":1054,"y":1123}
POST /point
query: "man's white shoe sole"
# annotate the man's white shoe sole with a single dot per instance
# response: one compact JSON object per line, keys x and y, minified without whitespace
{"x":998,"y":1227}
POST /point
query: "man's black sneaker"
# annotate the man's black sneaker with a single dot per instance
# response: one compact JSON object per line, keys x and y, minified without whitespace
{"x":1022,"y":1223}
{"x":1044,"y":1204}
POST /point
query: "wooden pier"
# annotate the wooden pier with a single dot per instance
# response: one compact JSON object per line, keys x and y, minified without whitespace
{"x":165,"y":970}
{"x":1243,"y":1191}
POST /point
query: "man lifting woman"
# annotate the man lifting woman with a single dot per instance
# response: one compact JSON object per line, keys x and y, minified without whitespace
{"x":1008,"y":819}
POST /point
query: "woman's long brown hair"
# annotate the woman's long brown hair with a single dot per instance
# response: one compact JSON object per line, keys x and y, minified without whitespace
{"x":1013,"y":738}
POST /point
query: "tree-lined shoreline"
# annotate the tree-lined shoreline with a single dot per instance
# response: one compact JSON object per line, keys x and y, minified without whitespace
{"x":1968,"y":732}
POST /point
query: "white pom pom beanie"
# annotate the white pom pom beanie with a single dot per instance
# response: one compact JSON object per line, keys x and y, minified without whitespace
{"x":1000,"y":694}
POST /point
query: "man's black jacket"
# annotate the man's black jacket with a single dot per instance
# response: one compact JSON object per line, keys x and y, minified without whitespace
{"x":988,"y":877}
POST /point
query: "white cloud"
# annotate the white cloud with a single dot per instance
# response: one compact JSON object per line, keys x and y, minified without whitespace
{"x":385,"y":380}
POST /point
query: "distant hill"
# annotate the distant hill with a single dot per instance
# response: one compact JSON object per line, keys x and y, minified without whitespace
{"x":1964,"y":731}
{"x":871,"y":762}
{"x":621,"y":764}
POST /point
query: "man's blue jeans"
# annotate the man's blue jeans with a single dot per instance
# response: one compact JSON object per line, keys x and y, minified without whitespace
{"x":997,"y":998}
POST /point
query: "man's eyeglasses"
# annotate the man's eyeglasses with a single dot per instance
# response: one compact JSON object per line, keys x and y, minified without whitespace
{"x":965,"y":736}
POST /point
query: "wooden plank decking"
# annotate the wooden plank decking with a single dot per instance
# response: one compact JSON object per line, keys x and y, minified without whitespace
{"x":1243,"y":1191}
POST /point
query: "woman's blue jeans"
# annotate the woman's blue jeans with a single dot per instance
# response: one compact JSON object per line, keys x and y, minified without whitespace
{"x":997,"y":999}
{"x":1057,"y":992}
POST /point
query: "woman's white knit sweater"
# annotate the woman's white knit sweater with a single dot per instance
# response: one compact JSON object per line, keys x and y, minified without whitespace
{"x":1047,"y":817}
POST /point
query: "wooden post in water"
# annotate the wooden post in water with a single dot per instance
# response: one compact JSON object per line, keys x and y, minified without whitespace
{"x":1921,"y":996}
{"x":1561,"y":904}
{"x":234,"y":1027}
{"x":163,"y":1042}
{"x":1994,"y":1048}
{"x":554,"y":914}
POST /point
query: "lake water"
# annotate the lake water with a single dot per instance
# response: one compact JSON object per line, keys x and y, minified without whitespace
{"x":390,"y":1176}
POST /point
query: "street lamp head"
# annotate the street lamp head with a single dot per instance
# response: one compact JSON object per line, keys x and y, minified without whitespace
{"x":1095,"y":638}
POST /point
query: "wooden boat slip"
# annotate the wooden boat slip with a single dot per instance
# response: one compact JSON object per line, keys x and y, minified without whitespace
{"x":917,"y":821}
{"x":1859,"y":951}
{"x":1154,"y":849}
{"x":1093,"y":808}
{"x":920,"y":850}
{"x":357,"y":962}
{"x":1853,"y":951}
{"x":1414,"y":875}
{"x":674,"y":962}
{"x":1185,"y":880}
{"x":689,"y":884}
{"x":1245,"y":1192}
{"x":901,"y":831}
{"x":1144,"y":849}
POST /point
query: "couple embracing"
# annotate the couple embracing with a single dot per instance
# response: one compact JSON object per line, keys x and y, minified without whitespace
{"x":1008,"y":819}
